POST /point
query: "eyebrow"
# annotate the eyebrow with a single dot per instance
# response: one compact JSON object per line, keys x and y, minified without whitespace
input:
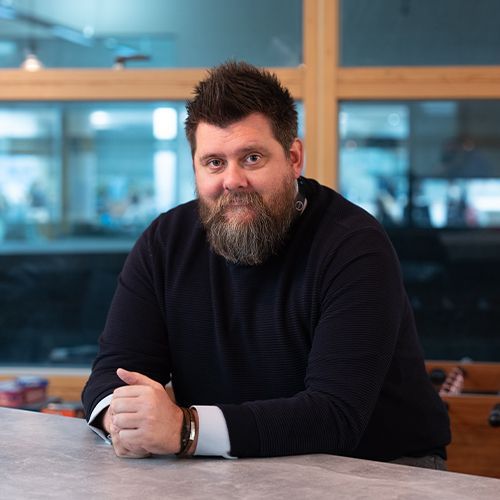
{"x":250,"y":148}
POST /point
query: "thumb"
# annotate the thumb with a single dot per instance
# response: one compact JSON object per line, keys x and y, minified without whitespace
{"x":135,"y":378}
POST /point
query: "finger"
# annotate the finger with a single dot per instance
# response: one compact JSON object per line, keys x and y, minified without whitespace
{"x":126,"y":421}
{"x":122,"y":451}
{"x":128,"y":391}
{"x":132,"y":439}
{"x":135,"y":378}
{"x":125,"y":405}
{"x":141,"y":454}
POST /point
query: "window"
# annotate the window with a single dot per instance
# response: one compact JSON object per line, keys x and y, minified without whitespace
{"x":419,"y":32}
{"x":430,"y":172}
{"x":423,"y":164}
{"x":158,"y":33}
{"x":95,"y":172}
{"x":78,"y":183}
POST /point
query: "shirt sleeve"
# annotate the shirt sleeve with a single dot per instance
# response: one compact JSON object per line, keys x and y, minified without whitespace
{"x":101,"y":406}
{"x":213,"y":436}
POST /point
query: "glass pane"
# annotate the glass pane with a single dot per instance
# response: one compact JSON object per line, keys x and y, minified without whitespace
{"x":374,"y":159}
{"x":95,"y":171}
{"x":419,"y":32}
{"x":151,"y":33}
{"x":78,"y":183}
{"x":430,"y":172}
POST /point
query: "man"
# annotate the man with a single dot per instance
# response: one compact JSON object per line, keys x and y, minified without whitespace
{"x":275,"y":307}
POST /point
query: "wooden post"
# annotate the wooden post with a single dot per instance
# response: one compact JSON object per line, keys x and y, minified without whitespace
{"x":320,"y":95}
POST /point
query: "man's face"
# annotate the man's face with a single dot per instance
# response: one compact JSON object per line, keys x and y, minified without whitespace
{"x":246,"y":187}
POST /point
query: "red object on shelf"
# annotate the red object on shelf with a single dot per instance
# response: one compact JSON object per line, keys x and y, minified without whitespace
{"x":65,"y":409}
{"x":23,"y":391}
{"x":34,"y":389}
{"x":11,"y":394}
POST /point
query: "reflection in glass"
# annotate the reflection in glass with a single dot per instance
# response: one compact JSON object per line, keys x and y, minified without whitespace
{"x":155,"y":33}
{"x":374,"y":164}
{"x":73,"y":171}
{"x":422,"y":164}
{"x":457,"y":203}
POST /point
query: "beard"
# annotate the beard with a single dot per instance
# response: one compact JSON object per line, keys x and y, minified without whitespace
{"x":243,"y":229}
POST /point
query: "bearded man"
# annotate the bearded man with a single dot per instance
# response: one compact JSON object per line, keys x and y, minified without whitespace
{"x":274,"y":306}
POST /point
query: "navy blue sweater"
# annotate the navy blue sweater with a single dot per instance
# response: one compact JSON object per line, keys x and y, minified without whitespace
{"x":314,"y":351}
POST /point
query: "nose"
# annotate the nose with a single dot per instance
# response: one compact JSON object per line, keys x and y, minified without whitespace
{"x":234,"y":178}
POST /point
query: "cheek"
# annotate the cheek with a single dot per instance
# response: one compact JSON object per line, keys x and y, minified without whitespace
{"x":208,"y":187}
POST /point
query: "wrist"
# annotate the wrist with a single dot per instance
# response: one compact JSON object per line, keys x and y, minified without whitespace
{"x":104,"y":420}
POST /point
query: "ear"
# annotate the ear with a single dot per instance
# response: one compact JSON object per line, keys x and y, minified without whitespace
{"x":296,"y":157}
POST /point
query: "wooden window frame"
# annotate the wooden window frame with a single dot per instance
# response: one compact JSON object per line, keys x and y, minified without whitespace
{"x":319,"y":82}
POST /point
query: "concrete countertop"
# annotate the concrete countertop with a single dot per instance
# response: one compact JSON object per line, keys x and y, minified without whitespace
{"x":51,"y":457}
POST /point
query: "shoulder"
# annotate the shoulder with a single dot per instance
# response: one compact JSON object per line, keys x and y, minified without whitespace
{"x":338,"y":222}
{"x":172,"y":231}
{"x":176,"y":222}
{"x":347,"y":243}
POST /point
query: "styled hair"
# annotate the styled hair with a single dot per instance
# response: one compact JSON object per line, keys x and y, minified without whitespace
{"x":233,"y":91}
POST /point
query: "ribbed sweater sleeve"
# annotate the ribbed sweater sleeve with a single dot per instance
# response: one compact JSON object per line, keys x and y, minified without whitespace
{"x":134,"y":335}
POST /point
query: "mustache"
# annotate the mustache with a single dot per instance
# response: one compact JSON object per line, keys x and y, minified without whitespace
{"x":216,"y":213}
{"x":241,"y":198}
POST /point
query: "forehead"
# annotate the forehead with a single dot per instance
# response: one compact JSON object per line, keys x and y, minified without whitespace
{"x":253,"y":129}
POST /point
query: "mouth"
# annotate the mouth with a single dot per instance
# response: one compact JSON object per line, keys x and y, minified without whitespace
{"x":238,"y":207}
{"x":237,"y":204}
{"x":239,"y":211}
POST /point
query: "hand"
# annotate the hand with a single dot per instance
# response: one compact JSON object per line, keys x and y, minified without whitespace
{"x":142,"y":419}
{"x":118,"y":446}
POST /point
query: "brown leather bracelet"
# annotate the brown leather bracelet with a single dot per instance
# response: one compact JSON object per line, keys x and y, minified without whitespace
{"x":188,"y":432}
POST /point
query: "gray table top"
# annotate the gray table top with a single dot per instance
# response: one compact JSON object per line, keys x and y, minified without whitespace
{"x":47,"y":456}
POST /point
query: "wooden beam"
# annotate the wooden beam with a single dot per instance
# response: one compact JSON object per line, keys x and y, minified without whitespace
{"x":115,"y":85}
{"x":320,"y":89}
{"x":464,"y":82}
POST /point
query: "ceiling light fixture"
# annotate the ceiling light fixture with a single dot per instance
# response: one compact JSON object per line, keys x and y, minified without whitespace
{"x":31,"y":62}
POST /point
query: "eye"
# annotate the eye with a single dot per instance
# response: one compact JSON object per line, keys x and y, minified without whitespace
{"x":253,"y":159}
{"x":215,"y":164}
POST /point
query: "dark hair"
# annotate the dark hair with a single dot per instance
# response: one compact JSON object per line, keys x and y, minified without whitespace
{"x":235,"y":90}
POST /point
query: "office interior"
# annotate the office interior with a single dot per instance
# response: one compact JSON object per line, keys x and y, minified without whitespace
{"x":399,"y":105}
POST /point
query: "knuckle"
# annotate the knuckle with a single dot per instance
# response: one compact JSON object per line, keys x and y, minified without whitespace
{"x":150,"y":391}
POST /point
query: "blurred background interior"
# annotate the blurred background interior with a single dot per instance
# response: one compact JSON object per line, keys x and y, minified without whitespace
{"x":81,"y":175}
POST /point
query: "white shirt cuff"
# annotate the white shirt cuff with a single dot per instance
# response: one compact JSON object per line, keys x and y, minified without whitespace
{"x":213,"y":436}
{"x":103,"y":404}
